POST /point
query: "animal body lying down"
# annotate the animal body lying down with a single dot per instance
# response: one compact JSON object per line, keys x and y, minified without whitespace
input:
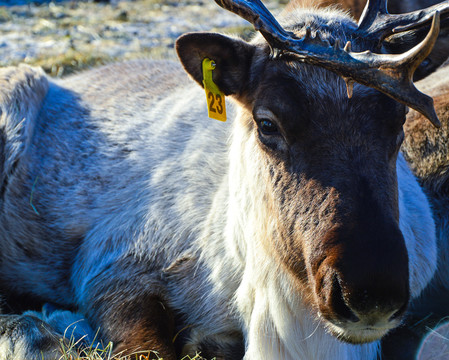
{"x":295,"y":230}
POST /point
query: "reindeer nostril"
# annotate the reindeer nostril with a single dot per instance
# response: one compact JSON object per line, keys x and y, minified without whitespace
{"x":398,"y":313}
{"x":339,"y":304}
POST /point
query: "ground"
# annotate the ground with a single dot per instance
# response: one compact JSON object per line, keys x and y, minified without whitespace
{"x":66,"y":36}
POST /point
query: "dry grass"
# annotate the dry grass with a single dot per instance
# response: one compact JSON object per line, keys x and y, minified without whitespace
{"x":72,"y":349}
{"x":70,"y":62}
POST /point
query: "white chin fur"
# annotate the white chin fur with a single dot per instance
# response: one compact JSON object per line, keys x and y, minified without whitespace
{"x":358,"y":334}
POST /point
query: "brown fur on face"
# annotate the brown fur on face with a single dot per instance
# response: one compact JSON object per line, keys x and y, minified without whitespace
{"x":333,"y":193}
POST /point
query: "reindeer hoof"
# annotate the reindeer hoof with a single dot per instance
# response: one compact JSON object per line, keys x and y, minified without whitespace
{"x":27,"y":337}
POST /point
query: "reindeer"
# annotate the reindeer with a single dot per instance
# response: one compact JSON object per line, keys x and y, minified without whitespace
{"x":295,"y":230}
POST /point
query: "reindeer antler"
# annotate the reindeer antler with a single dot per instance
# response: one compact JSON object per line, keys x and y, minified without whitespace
{"x":376,"y":23}
{"x":257,"y":14}
{"x":391,"y":74}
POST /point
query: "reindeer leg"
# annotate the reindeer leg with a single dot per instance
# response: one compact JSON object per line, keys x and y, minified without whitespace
{"x":28,"y":337}
{"x":151,"y":329}
{"x":44,"y":335}
{"x":134,"y":322}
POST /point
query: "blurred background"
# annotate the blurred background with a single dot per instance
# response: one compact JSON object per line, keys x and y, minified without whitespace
{"x":67,"y":36}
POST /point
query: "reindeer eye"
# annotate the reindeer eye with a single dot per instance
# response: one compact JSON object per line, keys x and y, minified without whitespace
{"x":267,"y":127}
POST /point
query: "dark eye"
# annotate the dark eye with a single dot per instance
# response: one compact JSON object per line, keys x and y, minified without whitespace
{"x":267,"y":127}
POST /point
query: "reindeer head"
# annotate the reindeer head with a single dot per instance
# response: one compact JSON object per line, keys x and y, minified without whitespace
{"x":326,"y":153}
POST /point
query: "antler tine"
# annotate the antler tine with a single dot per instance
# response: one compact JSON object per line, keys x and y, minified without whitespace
{"x":397,"y":71}
{"x":418,"y":19}
{"x":391,"y":74}
{"x":373,"y":9}
{"x":377,"y":24}
{"x":257,"y":14}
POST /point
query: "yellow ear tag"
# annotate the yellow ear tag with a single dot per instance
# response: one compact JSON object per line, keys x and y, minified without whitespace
{"x":216,"y":107}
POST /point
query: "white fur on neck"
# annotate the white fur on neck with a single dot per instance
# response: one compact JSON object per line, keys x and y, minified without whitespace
{"x":280,"y":325}
{"x":418,"y":228}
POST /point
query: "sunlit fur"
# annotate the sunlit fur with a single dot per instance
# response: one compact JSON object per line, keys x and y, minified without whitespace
{"x":356,"y":6}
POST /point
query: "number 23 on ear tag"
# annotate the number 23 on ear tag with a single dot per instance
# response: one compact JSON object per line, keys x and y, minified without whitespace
{"x":216,"y":107}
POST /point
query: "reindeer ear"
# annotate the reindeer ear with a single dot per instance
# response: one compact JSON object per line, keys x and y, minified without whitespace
{"x":231,"y":56}
{"x":402,"y":42}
